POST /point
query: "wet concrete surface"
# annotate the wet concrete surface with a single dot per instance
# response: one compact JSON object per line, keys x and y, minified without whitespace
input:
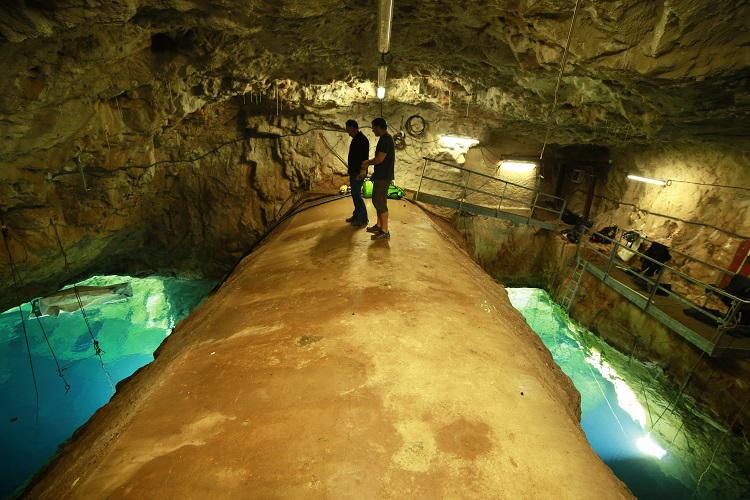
{"x":332,"y":366}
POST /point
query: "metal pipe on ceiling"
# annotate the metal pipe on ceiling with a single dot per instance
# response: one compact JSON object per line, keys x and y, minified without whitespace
{"x":385,"y":21}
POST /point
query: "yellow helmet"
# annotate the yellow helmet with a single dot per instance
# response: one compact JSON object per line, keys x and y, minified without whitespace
{"x":343,"y":189}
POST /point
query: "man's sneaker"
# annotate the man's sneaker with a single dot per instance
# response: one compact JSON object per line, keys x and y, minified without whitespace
{"x":381,"y":236}
{"x":374,"y":229}
{"x":350,"y":219}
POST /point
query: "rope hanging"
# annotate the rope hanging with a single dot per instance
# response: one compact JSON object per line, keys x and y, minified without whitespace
{"x":563,"y":61}
{"x":718,"y":445}
{"x":97,"y":348}
{"x":37,"y":314}
{"x":20,"y":313}
{"x":332,"y":150}
{"x":673,"y":405}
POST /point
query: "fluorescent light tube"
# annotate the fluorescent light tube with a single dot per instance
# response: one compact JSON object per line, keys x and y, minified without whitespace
{"x":454,"y":141}
{"x":647,"y":180}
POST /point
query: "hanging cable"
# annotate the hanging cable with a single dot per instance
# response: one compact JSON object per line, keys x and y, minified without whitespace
{"x":97,"y":348}
{"x":38,"y":315}
{"x":666,"y":216}
{"x":253,"y":134}
{"x":727,"y":186}
{"x":333,"y":151}
{"x":415,"y":126}
{"x":718,"y":445}
{"x":563,"y":61}
{"x":673,"y":405}
{"x":16,"y":280}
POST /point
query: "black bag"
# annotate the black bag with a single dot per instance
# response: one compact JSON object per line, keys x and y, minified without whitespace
{"x":608,"y":232}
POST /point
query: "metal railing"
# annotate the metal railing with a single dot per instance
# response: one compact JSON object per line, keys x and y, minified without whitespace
{"x":535,"y":202}
{"x":725,"y":320}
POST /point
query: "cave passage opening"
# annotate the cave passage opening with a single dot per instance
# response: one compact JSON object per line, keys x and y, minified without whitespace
{"x":128,"y":330}
{"x":660,"y":450}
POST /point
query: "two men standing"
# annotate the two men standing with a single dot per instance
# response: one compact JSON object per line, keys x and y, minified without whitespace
{"x":384,"y":162}
{"x":359,"y":150}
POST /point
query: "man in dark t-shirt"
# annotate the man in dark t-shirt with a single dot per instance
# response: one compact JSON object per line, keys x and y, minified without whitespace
{"x":384,"y":161}
{"x":359,"y":150}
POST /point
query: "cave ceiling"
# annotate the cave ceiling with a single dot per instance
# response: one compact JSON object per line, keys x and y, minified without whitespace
{"x":638,"y":70}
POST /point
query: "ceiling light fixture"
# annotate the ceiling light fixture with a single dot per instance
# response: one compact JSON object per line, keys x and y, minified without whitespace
{"x":647,"y":180}
{"x":454,"y":141}
{"x":382,"y":75}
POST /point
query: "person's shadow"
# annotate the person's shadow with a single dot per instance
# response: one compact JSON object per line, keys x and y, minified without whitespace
{"x":333,"y":244}
{"x":379,"y":251}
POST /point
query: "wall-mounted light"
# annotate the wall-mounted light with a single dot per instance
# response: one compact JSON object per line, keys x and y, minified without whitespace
{"x":454,"y":141}
{"x":517,"y":166}
{"x":648,"y":180}
{"x":380,"y":92}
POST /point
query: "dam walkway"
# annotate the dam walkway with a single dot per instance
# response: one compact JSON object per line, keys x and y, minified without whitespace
{"x":331,"y":366}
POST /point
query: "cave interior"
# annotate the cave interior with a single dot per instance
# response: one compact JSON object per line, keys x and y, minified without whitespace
{"x":598,"y":149}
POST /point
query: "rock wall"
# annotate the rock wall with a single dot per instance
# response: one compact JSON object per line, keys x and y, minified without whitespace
{"x":112,"y":88}
{"x":187,"y":181}
{"x":515,"y":255}
{"x":190,"y":198}
{"x":703,"y":212}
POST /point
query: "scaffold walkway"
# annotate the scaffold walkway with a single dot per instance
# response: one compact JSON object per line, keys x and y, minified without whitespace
{"x":703,"y":314}
{"x":454,"y":186}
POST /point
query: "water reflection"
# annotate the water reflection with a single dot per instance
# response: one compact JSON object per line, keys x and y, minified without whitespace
{"x":659,"y":449}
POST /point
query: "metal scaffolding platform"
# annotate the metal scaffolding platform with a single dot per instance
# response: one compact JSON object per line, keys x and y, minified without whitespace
{"x":712,"y":325}
{"x":477,"y":193}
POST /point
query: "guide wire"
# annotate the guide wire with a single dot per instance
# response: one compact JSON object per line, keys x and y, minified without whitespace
{"x":682,"y":389}
{"x":563,"y":62}
{"x":52,"y":352}
{"x":718,"y":445}
{"x":13,"y":272}
{"x":611,"y":409}
{"x":727,"y":186}
{"x":97,"y":348}
{"x":218,"y":147}
{"x":332,"y":150}
{"x":666,"y":216}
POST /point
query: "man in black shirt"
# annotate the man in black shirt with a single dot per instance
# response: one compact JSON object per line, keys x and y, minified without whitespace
{"x":384,"y":161}
{"x":359,"y":150}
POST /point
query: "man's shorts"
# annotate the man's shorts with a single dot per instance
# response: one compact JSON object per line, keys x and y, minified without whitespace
{"x":380,"y":195}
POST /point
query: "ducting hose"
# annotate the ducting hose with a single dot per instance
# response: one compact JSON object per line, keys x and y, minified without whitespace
{"x":385,"y":20}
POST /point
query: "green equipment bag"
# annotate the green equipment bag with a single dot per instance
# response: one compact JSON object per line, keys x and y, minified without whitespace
{"x":367,"y":189}
{"x":395,"y":192}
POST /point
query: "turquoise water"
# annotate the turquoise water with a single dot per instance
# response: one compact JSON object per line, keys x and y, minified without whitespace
{"x":661,"y":450}
{"x":128,"y":332}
